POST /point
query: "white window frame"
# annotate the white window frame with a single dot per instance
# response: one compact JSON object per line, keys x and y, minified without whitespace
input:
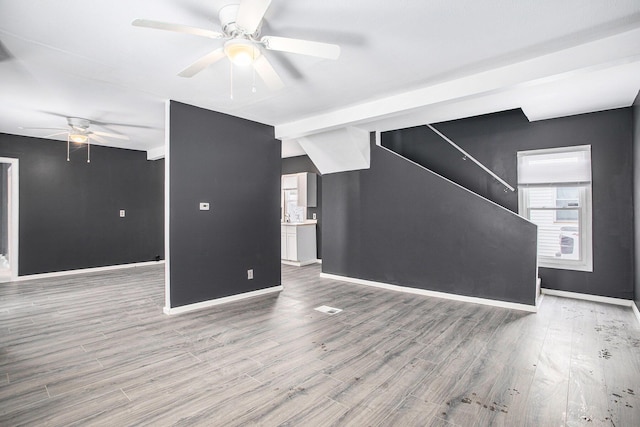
{"x":585,"y":263}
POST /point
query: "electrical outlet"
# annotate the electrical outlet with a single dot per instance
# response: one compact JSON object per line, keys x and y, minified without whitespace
{"x":250,"y":274}
{"x":314,"y":216}
{"x":204,"y":206}
{"x":121,"y":213}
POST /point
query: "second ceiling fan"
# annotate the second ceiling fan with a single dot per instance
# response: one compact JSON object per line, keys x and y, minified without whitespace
{"x":243,"y":43}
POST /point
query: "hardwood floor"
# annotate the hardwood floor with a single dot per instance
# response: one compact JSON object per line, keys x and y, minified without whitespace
{"x":96,"y":349}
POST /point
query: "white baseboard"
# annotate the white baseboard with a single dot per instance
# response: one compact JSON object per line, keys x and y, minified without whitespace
{"x":87,"y":270}
{"x":636,"y":311}
{"x":539,"y":300}
{"x":218,"y":301}
{"x":587,"y":297}
{"x":595,"y":298}
{"x":298,"y":263}
{"x":436,"y":294}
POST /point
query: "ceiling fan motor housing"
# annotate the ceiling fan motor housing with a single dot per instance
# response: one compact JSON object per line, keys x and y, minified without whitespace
{"x":227,"y":16}
{"x":78,"y":123}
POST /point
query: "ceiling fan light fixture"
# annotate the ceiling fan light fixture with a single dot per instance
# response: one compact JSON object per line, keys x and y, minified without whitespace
{"x":78,"y":138}
{"x":241,"y":51}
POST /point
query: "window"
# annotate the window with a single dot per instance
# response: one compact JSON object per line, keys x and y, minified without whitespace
{"x":554,"y":192}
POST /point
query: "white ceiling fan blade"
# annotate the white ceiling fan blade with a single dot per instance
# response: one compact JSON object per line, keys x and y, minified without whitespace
{"x":202,"y":63}
{"x":27,"y":128}
{"x":303,"y":47}
{"x":94,"y":137}
{"x":110,"y":135}
{"x":56,"y":134}
{"x":266,"y":72}
{"x":250,"y":14}
{"x":146,"y":23}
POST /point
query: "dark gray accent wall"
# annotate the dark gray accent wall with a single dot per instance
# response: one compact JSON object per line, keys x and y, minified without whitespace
{"x":233,"y":164}
{"x":636,"y":199}
{"x":69,"y":211}
{"x":495,"y":139}
{"x":304,"y":164}
{"x":401,"y":224}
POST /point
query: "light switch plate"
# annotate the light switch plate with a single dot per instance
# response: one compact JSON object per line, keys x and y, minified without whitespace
{"x":204,"y":206}
{"x":121,"y":213}
{"x":314,"y":216}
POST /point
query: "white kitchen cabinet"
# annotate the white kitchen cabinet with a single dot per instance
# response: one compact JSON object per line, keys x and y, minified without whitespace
{"x":283,"y":243}
{"x":290,"y":182}
{"x":298,"y":243}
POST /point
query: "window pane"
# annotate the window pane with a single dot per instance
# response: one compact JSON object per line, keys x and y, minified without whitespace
{"x":567,"y":197}
{"x":558,"y":240}
{"x":542,"y":197}
{"x":568,"y":193}
{"x":566,"y":216}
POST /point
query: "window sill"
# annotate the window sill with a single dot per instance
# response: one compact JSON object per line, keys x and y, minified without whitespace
{"x":564,"y":265}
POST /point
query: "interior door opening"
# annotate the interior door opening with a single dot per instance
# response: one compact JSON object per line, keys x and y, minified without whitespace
{"x":8,"y":219}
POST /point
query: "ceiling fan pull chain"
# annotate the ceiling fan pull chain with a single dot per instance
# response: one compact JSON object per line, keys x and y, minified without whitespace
{"x":253,"y":86}
{"x":88,"y":150}
{"x":68,"y":137}
{"x":253,"y":72}
{"x":230,"y":80}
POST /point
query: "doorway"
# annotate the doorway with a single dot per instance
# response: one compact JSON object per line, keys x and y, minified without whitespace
{"x":8,"y":219}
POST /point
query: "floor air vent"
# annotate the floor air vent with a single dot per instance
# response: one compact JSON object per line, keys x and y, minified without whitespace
{"x":328,"y":310}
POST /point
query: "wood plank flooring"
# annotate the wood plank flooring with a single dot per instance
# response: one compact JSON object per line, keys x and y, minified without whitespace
{"x":96,"y":349}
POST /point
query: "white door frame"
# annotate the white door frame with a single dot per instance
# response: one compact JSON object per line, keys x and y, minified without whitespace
{"x":13,"y":213}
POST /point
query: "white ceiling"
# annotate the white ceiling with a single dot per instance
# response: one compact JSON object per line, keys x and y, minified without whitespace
{"x":403,"y":62}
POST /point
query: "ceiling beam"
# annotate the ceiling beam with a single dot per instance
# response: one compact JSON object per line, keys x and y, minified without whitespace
{"x":609,"y":52}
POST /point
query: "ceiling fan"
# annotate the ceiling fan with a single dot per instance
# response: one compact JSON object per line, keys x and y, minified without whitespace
{"x":241,"y":24}
{"x":78,"y":131}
